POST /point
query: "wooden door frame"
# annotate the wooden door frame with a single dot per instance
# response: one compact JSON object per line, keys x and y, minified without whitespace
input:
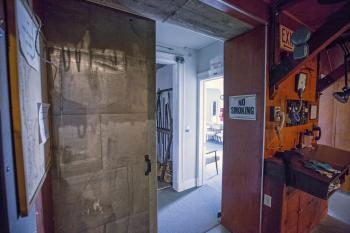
{"x":10,"y":220}
{"x":242,"y":159}
{"x":4,"y":220}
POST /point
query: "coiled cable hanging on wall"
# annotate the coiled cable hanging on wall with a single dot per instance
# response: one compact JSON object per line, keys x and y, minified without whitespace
{"x":42,"y":58}
{"x":278,"y":131}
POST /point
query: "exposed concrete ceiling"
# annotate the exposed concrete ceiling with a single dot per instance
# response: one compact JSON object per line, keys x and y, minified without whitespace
{"x":191,"y":14}
{"x":175,"y":35}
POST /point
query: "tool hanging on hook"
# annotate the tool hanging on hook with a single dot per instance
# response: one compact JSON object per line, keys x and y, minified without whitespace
{"x":343,"y":96}
{"x":78,"y":58}
{"x":164,"y":135}
{"x":66,"y":65}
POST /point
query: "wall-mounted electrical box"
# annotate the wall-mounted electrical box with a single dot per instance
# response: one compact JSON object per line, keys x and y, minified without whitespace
{"x":297,"y":113}
{"x":300,"y":83}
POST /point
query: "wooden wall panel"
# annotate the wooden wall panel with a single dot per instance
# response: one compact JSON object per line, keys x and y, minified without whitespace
{"x":327,"y":116}
{"x":312,"y":210}
{"x":335,"y":122}
{"x":293,"y":219}
{"x":286,"y":91}
{"x":242,"y":164}
{"x":272,"y":217}
{"x":290,"y":212}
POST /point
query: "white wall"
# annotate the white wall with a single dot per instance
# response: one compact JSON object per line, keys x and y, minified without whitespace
{"x":164,"y":77}
{"x":189,"y":125}
{"x":212,"y":95}
{"x":207,"y":53}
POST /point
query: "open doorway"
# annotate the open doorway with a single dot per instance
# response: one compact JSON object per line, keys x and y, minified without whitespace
{"x":164,"y":86}
{"x":185,"y":202}
{"x":212,"y":125}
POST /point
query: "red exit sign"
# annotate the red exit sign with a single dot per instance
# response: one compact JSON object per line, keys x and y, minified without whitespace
{"x":285,"y":39}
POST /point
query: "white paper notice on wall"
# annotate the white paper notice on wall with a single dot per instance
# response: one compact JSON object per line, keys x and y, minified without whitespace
{"x":43,"y":110}
{"x":27,"y":32}
{"x":242,"y":107}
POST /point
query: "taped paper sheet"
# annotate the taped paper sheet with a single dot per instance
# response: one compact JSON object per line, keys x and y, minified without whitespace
{"x":43,"y":122}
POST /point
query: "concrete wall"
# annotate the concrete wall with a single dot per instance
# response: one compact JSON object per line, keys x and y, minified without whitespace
{"x":189,"y":129}
{"x":207,"y":53}
{"x":103,"y":105}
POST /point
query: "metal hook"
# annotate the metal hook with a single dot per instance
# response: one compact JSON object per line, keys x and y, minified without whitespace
{"x":78,"y":58}
{"x":65,"y":65}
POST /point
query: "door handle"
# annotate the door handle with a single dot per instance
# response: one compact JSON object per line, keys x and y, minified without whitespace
{"x":148,"y":165}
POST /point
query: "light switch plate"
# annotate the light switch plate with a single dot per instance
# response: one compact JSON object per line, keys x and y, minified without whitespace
{"x":313,"y":112}
{"x":267,"y":200}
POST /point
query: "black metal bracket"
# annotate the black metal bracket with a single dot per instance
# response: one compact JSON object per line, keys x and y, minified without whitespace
{"x":148,"y":165}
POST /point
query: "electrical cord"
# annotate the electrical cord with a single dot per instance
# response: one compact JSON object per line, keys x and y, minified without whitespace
{"x":279,"y":135}
{"x":279,"y":129}
{"x":37,"y":50}
{"x":300,"y":103}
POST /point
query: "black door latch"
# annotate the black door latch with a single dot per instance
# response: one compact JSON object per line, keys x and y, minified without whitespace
{"x":148,"y":165}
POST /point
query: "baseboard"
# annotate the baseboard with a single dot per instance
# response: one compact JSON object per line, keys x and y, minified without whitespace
{"x":187,"y":184}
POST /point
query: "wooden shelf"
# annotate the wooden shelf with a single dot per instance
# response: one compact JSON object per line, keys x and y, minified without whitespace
{"x":295,"y":175}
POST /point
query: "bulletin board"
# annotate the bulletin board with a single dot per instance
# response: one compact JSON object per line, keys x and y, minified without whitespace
{"x":28,"y":93}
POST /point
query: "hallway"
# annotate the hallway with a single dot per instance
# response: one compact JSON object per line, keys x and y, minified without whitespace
{"x":191,"y":211}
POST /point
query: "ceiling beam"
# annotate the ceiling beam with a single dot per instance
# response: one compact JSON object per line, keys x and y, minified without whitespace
{"x":332,"y":77}
{"x":336,"y":25}
{"x":296,"y":19}
{"x":281,"y":5}
{"x":253,"y":12}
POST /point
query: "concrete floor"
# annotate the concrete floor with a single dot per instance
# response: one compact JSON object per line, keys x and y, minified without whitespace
{"x":332,"y":225}
{"x":339,"y":207}
{"x":338,"y":219}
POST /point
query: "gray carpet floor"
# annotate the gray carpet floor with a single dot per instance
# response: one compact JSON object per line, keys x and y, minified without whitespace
{"x":191,"y":211}
{"x":194,"y":210}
